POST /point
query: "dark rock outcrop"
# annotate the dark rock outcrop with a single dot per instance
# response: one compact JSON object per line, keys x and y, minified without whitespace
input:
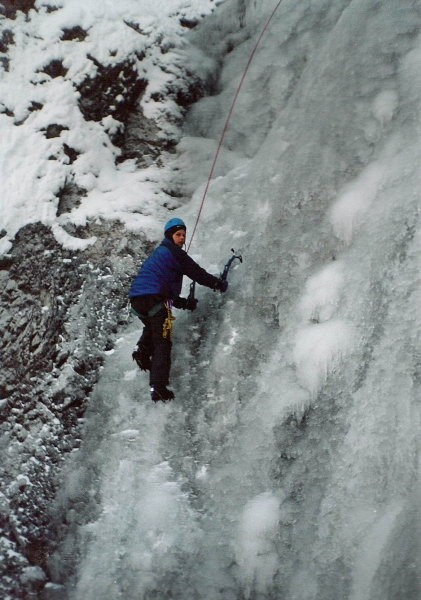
{"x":59,"y":313}
{"x":9,"y":8}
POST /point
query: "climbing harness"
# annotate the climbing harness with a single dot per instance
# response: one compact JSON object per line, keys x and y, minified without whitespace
{"x":151,"y":313}
{"x":168,"y":323}
{"x":229,"y":263}
{"x":231,"y":110}
{"x":167,"y":326}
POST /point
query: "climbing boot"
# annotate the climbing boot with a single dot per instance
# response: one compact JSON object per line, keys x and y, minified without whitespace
{"x":161,"y":393}
{"x":143,"y":361}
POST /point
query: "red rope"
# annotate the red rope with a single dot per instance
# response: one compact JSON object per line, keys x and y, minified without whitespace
{"x":231,"y":110}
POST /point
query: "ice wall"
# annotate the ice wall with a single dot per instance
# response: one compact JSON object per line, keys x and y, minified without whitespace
{"x":287,"y":466}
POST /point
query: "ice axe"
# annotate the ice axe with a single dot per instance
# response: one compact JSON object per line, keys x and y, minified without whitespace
{"x":223,"y":275}
{"x":229,"y":263}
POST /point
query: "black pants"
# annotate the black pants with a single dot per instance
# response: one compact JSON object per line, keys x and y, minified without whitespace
{"x":151,"y":343}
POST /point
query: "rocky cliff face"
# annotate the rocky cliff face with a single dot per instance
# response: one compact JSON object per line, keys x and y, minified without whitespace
{"x":60,"y":310}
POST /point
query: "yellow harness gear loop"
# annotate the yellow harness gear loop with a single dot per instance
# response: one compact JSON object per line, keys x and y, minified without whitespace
{"x":168,"y":323}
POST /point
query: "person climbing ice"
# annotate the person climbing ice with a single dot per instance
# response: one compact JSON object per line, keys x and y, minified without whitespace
{"x":153,"y":293}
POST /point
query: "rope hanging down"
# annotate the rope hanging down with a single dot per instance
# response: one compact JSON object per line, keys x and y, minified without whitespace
{"x":231,"y":110}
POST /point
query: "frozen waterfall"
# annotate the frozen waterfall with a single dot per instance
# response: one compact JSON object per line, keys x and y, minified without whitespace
{"x":286,"y":468}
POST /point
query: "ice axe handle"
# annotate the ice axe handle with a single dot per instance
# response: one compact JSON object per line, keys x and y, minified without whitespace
{"x":192,"y":290}
{"x":229,"y":263}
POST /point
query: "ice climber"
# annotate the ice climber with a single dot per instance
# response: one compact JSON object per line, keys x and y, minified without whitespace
{"x":154,"y":291}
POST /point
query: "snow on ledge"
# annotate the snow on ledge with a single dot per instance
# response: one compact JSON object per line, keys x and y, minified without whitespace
{"x":70,"y":242}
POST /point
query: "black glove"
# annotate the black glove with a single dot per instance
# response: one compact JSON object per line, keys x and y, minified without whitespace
{"x":221,"y":285}
{"x":185,"y":303}
{"x":180,"y":303}
{"x":191,"y":303}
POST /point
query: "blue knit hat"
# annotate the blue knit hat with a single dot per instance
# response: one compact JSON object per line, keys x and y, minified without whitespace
{"x":172,"y":226}
{"x":175,"y":222}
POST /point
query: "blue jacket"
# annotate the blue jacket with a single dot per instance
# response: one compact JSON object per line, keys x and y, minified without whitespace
{"x":162,"y":273}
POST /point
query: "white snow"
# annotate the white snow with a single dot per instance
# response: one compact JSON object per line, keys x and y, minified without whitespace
{"x":30,"y":180}
{"x":69,"y":241}
{"x":384,"y":106}
{"x":355,"y":199}
{"x":255,"y":549}
{"x":129,"y":375}
{"x":322,"y":294}
{"x":319,"y":349}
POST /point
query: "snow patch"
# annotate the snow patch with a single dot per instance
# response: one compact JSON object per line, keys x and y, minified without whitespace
{"x":70,"y":242}
{"x":318,"y":350}
{"x":34,"y":164}
{"x":130,"y":375}
{"x":202,"y":472}
{"x":33,"y":575}
{"x":349,"y":210}
{"x":322,"y":293}
{"x":384,"y":106}
{"x":255,"y":550}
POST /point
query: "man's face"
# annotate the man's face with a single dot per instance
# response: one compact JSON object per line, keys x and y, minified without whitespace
{"x":179,"y":238}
